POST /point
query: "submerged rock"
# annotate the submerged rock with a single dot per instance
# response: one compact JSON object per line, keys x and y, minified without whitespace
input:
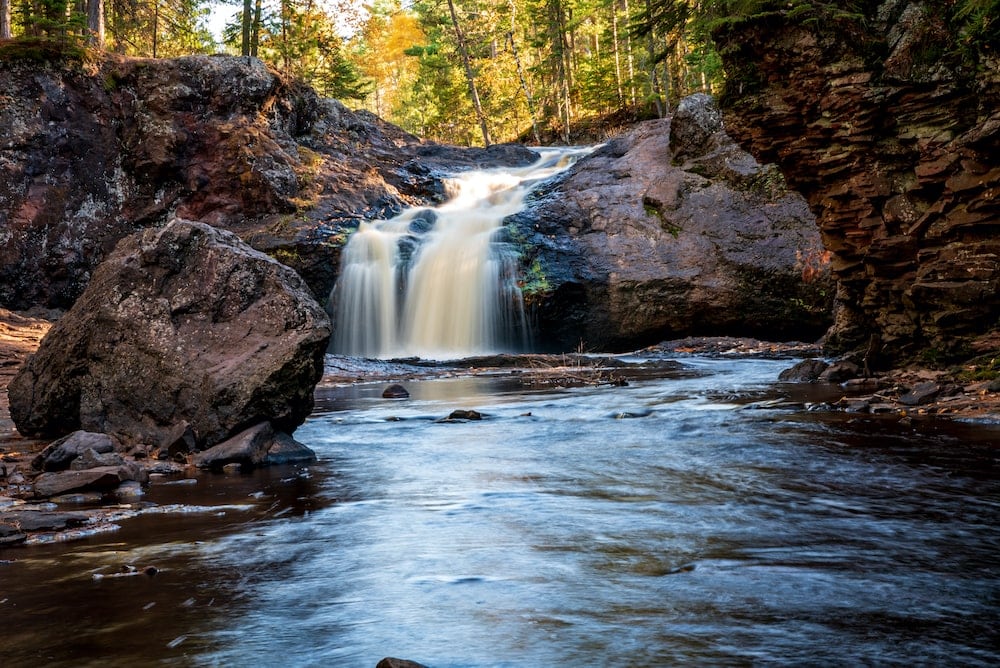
{"x":390,"y":662}
{"x":395,"y":391}
{"x":185,"y":325}
{"x":668,"y":231}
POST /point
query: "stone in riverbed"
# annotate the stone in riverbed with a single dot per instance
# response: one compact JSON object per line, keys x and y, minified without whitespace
{"x":183,"y":325}
{"x":806,"y":371}
{"x":461,"y":414}
{"x":921,"y":393}
{"x":60,"y":455}
{"x":101,"y":479}
{"x":11,"y":534}
{"x":395,"y":391}
{"x":838,"y":372}
{"x":286,"y":450}
{"x":390,"y":662}
{"x":90,"y":459}
{"x":259,"y":445}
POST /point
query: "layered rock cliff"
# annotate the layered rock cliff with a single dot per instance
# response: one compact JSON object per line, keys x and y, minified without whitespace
{"x":889,"y":125}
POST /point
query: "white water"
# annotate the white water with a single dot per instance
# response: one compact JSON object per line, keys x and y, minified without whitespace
{"x":448,"y":291}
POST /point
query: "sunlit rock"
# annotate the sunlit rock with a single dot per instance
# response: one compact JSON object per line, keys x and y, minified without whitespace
{"x":183,"y":325}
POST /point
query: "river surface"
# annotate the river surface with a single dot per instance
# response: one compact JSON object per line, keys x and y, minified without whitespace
{"x":675,"y":521}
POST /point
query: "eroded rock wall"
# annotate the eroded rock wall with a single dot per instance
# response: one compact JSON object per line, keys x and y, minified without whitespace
{"x":892,"y":133}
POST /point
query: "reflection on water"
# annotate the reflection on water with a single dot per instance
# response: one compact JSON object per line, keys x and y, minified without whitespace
{"x":556,"y":532}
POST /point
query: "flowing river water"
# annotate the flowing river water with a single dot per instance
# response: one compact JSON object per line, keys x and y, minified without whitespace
{"x":681,"y":520}
{"x":684,"y":519}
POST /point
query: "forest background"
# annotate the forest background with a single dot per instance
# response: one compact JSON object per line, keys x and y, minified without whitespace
{"x":458,"y":71}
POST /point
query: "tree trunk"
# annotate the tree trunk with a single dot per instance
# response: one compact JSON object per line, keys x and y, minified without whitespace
{"x":473,"y":93}
{"x":617,"y":54}
{"x":156,"y":27}
{"x":520,"y":73}
{"x":245,"y":24}
{"x":5,"y":19}
{"x":524,"y":88}
{"x":95,"y":23}
{"x":255,"y":33}
{"x":631,"y":60}
{"x":654,"y":83}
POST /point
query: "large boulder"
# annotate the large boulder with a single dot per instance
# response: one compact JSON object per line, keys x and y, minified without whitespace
{"x":183,"y":329}
{"x":669,"y":231}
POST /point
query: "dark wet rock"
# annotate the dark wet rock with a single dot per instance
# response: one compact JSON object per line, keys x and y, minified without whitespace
{"x":31,"y":518}
{"x":805,"y":371}
{"x":462,"y":414}
{"x":921,"y":393}
{"x":59,"y":455}
{"x":390,"y":662}
{"x":258,"y":446}
{"x":101,"y":479}
{"x":11,"y":533}
{"x":184,"y":324}
{"x":179,"y":440}
{"x":248,"y":448}
{"x":90,"y":459}
{"x":395,"y":391}
{"x":838,"y":372}
{"x":641,"y":242}
{"x":628,"y":415}
{"x":286,"y":450}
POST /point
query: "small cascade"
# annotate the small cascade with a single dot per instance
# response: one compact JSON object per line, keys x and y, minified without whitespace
{"x":440,"y":283}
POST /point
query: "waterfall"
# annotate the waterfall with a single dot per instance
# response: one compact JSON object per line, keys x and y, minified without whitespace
{"x":441,"y":282}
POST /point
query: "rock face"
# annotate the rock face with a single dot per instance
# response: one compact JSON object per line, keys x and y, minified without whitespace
{"x":668,"y":231}
{"x":184,"y":334}
{"x":890,"y":127}
{"x":90,"y":156}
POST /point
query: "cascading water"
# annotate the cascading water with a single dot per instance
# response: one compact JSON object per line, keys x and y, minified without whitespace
{"x":440,"y":283}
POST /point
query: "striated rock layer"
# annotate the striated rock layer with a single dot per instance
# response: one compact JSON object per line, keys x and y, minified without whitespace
{"x":892,"y":133}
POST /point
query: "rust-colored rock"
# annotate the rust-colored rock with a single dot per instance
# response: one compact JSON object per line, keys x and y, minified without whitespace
{"x":894,"y":141}
{"x":181,"y":328}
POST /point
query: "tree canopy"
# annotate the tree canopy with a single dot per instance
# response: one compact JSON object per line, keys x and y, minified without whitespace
{"x":463,"y":71}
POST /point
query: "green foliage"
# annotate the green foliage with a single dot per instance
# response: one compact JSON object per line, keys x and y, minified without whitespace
{"x":535,"y":282}
{"x":43,"y":50}
{"x":985,"y":367}
{"x":976,"y":24}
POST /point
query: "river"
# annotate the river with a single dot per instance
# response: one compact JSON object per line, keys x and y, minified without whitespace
{"x":681,"y":520}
